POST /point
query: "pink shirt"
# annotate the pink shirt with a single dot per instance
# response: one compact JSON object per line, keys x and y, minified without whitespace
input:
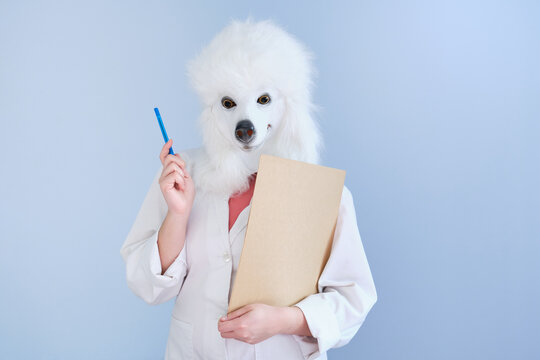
{"x":239,"y":202}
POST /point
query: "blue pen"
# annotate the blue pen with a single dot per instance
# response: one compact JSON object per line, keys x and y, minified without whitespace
{"x":162,"y":127}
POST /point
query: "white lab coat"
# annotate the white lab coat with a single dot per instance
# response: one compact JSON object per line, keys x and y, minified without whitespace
{"x":201,"y":278}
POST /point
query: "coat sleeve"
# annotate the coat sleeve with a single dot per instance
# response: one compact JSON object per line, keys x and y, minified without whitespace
{"x":346,"y":291}
{"x":141,"y":255}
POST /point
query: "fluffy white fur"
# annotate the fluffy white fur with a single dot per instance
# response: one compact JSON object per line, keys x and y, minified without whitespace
{"x":247,"y":59}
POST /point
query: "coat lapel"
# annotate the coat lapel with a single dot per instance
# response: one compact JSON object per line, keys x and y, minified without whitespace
{"x":240,"y":223}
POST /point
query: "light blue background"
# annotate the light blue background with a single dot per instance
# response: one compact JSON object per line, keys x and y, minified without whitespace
{"x":431,"y":107}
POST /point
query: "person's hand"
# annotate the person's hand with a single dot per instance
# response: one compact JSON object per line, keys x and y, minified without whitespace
{"x":252,"y":323}
{"x":175,"y":182}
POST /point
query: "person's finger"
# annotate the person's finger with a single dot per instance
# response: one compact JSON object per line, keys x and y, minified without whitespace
{"x":179,"y":179}
{"x":168,"y":181}
{"x":231,"y":325}
{"x":172,"y":179}
{"x":186,"y":173}
{"x":165,"y":150}
{"x":170,"y":159}
{"x":237,"y":312}
{"x":229,"y":335}
{"x":176,"y":177}
{"x":167,"y":172}
{"x":241,"y":335}
{"x":174,"y":158}
{"x":171,"y":168}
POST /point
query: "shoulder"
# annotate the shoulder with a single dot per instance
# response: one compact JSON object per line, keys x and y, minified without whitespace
{"x":346,"y":208}
{"x":192,"y":156}
{"x":191,"y":153}
{"x":346,"y":197}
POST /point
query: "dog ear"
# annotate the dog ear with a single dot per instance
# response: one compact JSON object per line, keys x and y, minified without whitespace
{"x":299,"y":136}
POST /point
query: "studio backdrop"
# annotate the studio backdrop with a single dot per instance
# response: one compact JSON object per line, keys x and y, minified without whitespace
{"x":431,"y":108}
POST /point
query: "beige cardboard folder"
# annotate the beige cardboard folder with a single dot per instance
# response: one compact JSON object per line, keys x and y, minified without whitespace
{"x":289,"y":234}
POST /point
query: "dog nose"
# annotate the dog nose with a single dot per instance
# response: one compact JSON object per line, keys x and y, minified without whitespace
{"x":245,"y":131}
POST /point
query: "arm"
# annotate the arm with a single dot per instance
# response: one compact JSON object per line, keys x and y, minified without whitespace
{"x":329,"y":318}
{"x":171,"y":238}
{"x":292,"y":321}
{"x":254,"y":323}
{"x":141,"y":253}
{"x":346,"y":289}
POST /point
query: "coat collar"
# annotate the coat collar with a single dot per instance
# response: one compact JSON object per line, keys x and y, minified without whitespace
{"x":240,"y":223}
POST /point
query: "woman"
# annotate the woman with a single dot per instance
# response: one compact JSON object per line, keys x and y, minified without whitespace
{"x":253,"y":80}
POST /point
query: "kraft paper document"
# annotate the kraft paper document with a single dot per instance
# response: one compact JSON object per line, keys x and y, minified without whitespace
{"x":289,"y":234}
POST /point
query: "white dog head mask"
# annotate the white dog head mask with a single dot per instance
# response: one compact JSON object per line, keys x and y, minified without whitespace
{"x":254,"y":81}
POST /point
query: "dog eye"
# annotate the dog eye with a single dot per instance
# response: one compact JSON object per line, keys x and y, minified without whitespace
{"x":264,"y":99}
{"x":227,"y":102}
